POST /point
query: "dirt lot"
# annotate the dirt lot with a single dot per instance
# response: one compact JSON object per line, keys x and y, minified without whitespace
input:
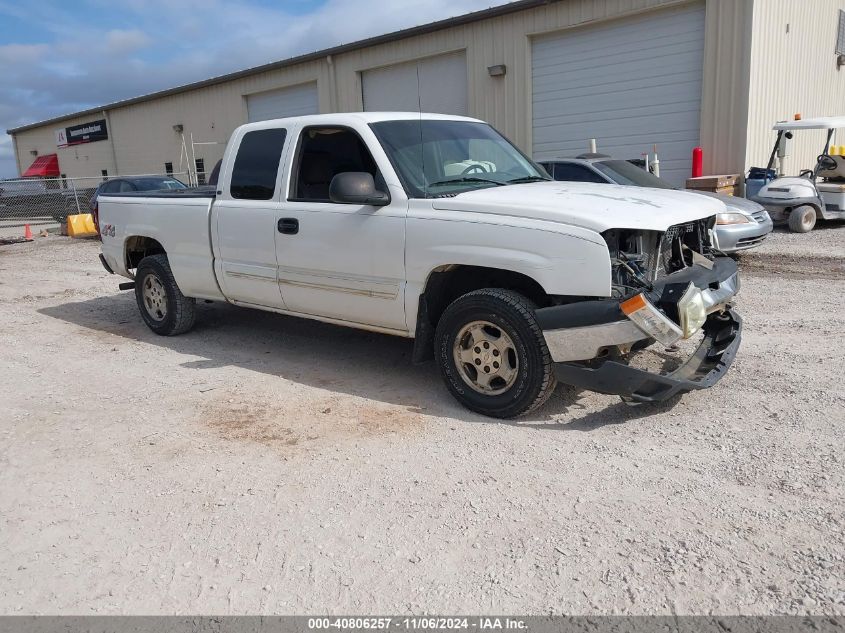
{"x":264,"y":464}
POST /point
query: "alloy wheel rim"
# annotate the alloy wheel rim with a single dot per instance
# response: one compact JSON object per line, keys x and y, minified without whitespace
{"x":155,"y":298}
{"x":486,"y":358}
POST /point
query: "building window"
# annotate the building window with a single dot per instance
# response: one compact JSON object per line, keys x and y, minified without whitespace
{"x":200,"y":171}
{"x":105,"y":173}
{"x":168,"y":169}
{"x":257,"y":164}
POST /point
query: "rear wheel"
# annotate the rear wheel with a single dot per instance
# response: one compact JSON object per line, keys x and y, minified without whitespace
{"x":802,"y":219}
{"x":163,"y":307}
{"x":492,"y":354}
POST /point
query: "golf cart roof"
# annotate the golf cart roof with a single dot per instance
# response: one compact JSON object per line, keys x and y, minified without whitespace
{"x":819,"y":123}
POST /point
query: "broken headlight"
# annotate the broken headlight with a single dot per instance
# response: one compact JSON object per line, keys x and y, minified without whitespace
{"x":692,"y":312}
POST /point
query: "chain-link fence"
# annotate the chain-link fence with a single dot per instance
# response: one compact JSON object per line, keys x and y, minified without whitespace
{"x":39,"y":201}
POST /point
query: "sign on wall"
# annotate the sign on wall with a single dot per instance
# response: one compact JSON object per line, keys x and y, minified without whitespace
{"x":83,"y":133}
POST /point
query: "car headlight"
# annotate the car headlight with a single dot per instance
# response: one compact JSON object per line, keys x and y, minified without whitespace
{"x":691,"y":311}
{"x":732,"y":218}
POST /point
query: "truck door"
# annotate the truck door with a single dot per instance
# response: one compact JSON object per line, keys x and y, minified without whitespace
{"x":244,"y":220}
{"x":342,"y":261}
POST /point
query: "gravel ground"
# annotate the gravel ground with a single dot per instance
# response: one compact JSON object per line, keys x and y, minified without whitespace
{"x":264,"y":464}
{"x":11,"y":229}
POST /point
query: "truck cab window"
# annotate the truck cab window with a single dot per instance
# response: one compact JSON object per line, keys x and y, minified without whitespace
{"x":324,"y":153}
{"x":257,"y":164}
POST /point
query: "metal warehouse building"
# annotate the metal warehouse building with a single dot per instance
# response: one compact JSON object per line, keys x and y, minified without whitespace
{"x":549,"y":74}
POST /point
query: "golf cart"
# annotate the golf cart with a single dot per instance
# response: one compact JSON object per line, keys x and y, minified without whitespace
{"x":814,"y":193}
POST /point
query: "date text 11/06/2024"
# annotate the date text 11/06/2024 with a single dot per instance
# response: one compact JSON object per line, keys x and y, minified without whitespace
{"x":418,"y":623}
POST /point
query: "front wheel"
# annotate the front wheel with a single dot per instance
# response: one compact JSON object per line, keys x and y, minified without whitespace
{"x":492,"y":354}
{"x":802,"y":219}
{"x":164,"y":308}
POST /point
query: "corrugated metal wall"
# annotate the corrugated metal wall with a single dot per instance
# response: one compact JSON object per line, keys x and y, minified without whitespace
{"x":793,"y":69}
{"x":724,"y":90}
{"x":144,"y":138}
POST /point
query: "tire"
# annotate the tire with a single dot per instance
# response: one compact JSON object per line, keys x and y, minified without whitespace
{"x":802,"y":219}
{"x":522,"y":382}
{"x":164,"y":308}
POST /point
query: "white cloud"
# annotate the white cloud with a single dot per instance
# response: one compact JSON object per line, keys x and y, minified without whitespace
{"x":121,"y":42}
{"x":22,"y":53}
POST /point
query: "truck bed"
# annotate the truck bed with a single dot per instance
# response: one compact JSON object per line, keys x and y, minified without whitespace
{"x":179,"y":220}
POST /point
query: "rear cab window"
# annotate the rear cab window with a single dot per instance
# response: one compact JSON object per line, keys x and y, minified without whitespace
{"x":256,"y":167}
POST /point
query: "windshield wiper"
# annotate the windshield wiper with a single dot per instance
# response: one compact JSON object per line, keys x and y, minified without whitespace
{"x":528,"y":179}
{"x":465,"y":179}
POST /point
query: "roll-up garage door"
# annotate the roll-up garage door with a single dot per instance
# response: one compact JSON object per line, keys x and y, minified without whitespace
{"x":433,"y":84}
{"x":630,"y":84}
{"x":285,"y":102}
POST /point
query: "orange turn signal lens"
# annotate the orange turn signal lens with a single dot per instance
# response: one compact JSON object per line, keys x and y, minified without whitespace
{"x":633,"y":304}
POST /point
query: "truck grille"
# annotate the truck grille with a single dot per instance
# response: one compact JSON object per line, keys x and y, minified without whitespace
{"x":672,"y":255}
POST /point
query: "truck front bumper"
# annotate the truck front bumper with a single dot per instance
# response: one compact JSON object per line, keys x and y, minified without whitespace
{"x":715,"y":353}
{"x":587,"y":339}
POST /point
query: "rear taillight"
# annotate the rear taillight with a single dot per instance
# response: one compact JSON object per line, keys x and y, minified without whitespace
{"x":95,"y":215}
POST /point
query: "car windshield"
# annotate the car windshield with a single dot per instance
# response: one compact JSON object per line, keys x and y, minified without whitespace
{"x":440,"y":158}
{"x":151,"y":184}
{"x":624,"y":173}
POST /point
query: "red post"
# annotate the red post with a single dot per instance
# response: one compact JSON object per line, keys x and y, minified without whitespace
{"x":697,"y":162}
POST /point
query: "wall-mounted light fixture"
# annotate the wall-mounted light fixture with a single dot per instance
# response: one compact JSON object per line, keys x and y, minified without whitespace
{"x":498,"y":70}
{"x":34,"y":152}
{"x":178,"y":128}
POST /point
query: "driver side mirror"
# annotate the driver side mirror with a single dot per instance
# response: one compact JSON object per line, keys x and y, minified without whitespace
{"x":356,"y":187}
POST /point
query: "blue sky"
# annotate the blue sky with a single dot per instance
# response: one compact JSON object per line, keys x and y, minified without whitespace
{"x":59,"y":57}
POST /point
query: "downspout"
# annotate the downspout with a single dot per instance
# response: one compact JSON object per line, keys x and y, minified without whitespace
{"x":17,"y":155}
{"x":332,"y":84}
{"x":111,"y":140}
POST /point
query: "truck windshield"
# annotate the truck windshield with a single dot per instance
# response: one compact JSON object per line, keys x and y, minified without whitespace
{"x":441,"y":158}
{"x":622,"y":172}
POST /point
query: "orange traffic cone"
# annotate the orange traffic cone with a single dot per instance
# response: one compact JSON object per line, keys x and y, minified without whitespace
{"x":27,"y":232}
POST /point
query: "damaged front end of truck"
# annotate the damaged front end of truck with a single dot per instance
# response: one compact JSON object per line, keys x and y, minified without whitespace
{"x":667,"y":287}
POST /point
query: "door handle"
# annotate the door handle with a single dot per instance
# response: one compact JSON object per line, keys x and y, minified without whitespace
{"x":288,"y":226}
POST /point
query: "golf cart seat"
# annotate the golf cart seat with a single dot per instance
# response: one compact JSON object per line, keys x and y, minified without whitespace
{"x":838,"y":173}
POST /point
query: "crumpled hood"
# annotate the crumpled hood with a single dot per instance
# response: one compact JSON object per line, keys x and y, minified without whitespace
{"x":597,"y":207}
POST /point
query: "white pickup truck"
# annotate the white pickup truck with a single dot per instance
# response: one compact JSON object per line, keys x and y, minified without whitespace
{"x":437,"y":228}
